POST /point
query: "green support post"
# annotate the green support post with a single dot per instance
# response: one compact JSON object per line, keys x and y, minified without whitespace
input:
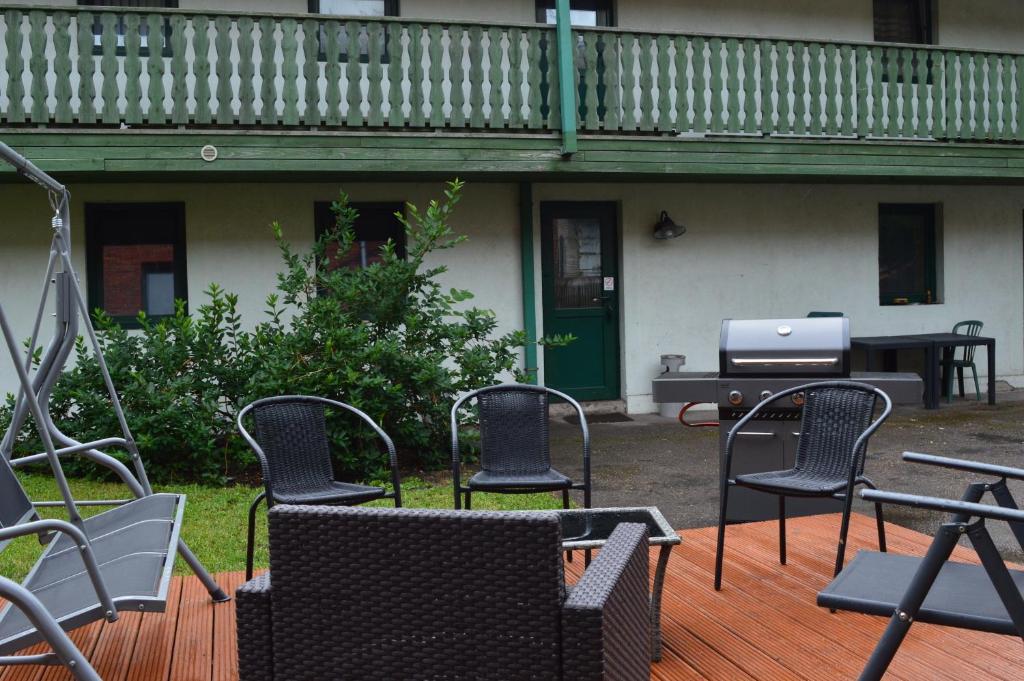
{"x":566,"y":78}
{"x":529,"y":292}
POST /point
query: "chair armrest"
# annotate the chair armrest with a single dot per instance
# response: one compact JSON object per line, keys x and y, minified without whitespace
{"x":255,"y":630}
{"x":969,"y":509}
{"x":966,"y":465}
{"x":606,"y":620}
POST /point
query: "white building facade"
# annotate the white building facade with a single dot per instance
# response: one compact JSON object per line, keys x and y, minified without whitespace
{"x":882,"y":177}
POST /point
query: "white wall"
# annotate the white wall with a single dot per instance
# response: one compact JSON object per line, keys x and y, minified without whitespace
{"x":825,"y":19}
{"x":761,"y":250}
{"x":989,"y":24}
{"x":984,"y":24}
{"x":228,"y":240}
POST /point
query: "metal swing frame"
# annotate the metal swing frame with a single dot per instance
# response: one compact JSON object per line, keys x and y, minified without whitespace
{"x":72,"y":318}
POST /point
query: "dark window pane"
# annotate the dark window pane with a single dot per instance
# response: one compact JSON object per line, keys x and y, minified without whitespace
{"x":903,"y":21}
{"x":373,"y":228}
{"x":906,"y":254}
{"x":135,"y":258}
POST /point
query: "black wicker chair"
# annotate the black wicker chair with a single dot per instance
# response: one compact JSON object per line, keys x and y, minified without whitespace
{"x":837,"y":424}
{"x":515,"y":457}
{"x":291,"y":444}
{"x":395,"y":594}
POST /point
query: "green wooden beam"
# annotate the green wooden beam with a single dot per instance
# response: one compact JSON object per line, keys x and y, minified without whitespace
{"x":529,"y":291}
{"x":140,"y":155}
{"x":566,"y":77}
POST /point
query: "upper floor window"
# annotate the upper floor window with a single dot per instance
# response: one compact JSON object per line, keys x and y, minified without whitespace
{"x":355,"y":8}
{"x":581,"y":12}
{"x":119,"y":27}
{"x":904,"y":21}
{"x":908,"y":253}
{"x":135,"y":258}
{"x":374,"y":227}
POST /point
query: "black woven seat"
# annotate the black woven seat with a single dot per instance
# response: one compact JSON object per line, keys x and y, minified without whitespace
{"x":549,"y":479}
{"x":515,"y":455}
{"x":381,"y":594}
{"x":350,"y":492}
{"x":837,"y":423}
{"x":294,"y":453}
{"x":796,"y":482}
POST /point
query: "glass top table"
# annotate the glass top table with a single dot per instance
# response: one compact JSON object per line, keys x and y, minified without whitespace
{"x":589,"y":528}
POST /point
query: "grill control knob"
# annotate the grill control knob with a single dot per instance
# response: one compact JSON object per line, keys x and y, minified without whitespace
{"x":735,"y":398}
{"x":798,"y":399}
{"x":765,"y":394}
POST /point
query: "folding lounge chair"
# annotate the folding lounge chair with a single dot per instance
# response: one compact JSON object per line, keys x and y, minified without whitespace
{"x":91,"y":567}
{"x":933,"y":589}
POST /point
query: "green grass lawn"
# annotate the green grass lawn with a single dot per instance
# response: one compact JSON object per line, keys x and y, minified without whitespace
{"x":215,"y":517}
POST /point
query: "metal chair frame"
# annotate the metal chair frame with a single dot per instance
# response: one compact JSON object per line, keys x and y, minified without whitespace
{"x":855,"y":476}
{"x":72,"y":317}
{"x":460,"y":489}
{"x":268,"y":482}
{"x":967,"y":518}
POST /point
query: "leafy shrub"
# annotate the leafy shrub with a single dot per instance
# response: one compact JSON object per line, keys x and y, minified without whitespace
{"x":387,"y":339}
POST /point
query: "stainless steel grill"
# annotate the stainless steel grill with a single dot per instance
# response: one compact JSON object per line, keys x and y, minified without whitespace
{"x":796,"y":348}
{"x":757,"y":358}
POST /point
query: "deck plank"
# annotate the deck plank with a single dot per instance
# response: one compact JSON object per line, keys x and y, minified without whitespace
{"x":763,"y":624}
{"x":193,"y":645}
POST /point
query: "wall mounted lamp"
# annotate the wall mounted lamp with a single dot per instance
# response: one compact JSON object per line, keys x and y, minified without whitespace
{"x":665,"y":228}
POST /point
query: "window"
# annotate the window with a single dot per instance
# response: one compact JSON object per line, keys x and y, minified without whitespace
{"x":129,"y":5}
{"x":904,"y":21}
{"x":581,"y":12}
{"x":135,"y":258}
{"x":907,"y":253}
{"x":374,"y":226}
{"x":353,"y":8}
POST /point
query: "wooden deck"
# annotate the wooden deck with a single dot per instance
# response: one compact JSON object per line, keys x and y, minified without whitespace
{"x":762,"y":625}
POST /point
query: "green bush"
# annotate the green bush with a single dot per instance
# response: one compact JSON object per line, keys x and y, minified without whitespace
{"x":387,"y":339}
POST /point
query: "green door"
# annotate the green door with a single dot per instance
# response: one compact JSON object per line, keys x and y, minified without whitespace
{"x":579,"y":271}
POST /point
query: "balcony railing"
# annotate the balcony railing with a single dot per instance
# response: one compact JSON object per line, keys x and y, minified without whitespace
{"x":63,"y":66}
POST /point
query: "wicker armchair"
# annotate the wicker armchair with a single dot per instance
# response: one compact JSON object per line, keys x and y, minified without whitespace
{"x":291,"y":444}
{"x":393,"y":594}
{"x":515,"y":457}
{"x":838,"y":420}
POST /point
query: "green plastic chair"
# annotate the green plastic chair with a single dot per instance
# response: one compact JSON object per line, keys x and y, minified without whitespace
{"x":970,"y":327}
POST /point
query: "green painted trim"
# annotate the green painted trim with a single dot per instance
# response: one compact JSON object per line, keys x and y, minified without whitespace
{"x":134,"y":155}
{"x":566,"y":77}
{"x":530,"y":367}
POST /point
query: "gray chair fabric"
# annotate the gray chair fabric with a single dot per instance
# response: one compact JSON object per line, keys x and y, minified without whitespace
{"x":370,"y":593}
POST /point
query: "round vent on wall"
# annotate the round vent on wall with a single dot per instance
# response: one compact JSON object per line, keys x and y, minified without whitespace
{"x":208,"y":153}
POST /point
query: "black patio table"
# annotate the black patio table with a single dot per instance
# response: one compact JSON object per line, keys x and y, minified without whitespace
{"x":931,"y":343}
{"x":589,"y":528}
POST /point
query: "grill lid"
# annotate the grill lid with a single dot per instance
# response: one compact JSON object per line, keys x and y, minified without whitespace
{"x":811,"y":347}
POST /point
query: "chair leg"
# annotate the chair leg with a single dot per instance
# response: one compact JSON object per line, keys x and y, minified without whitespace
{"x":977,"y":389}
{"x":250,"y":546}
{"x":949,"y":383}
{"x":469,"y":500}
{"x":880,"y":521}
{"x":960,"y":380}
{"x":782,"y":530}
{"x":565,"y":498}
{"x":720,"y":549}
{"x":843,"y":530}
